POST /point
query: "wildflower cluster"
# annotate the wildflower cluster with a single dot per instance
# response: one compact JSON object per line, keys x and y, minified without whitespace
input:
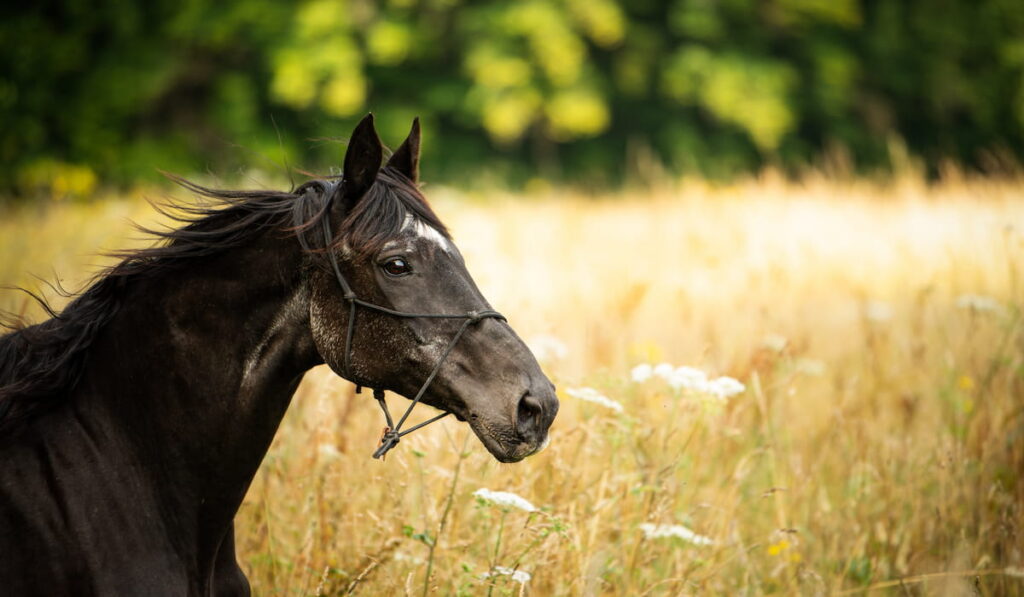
{"x":504,"y":499}
{"x":592,"y":395}
{"x":401,"y":556}
{"x":520,"y":576}
{"x":877,"y":311}
{"x":979,"y":303}
{"x":659,"y":531}
{"x":689,"y":379}
{"x":547,"y":348}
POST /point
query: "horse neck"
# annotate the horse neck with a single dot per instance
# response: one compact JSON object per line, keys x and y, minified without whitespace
{"x":198,"y":366}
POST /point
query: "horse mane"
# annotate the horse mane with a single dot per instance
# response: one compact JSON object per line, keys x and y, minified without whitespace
{"x":40,"y":364}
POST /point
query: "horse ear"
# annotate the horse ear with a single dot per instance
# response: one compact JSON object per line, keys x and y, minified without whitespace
{"x":362,"y":160}
{"x":406,"y":158}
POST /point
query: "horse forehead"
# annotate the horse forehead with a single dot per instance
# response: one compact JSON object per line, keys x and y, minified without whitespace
{"x":414,"y":229}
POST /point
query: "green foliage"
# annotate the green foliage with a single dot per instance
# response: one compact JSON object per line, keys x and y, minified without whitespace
{"x":573,"y":89}
{"x":423,"y":537}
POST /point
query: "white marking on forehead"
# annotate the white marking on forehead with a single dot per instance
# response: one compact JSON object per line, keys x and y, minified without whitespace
{"x":426,"y":232}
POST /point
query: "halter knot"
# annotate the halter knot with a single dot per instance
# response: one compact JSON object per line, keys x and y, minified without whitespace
{"x":389,"y":440}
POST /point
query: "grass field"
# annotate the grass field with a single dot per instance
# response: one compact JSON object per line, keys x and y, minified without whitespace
{"x":877,"y":330}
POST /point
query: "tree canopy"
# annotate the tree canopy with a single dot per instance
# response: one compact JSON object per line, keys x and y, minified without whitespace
{"x":566,"y":89}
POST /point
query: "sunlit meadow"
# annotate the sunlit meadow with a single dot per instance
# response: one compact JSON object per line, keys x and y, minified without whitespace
{"x":767,"y":387}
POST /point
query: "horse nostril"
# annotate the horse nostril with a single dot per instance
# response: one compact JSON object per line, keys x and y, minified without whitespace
{"x":529,"y":415}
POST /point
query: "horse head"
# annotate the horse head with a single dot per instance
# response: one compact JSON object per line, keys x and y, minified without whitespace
{"x":398,"y":310}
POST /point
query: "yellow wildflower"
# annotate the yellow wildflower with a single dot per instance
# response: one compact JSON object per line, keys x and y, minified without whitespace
{"x":777,"y":548}
{"x":965,"y":383}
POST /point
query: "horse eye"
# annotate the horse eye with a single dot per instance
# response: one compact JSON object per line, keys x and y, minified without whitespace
{"x":396,"y":266}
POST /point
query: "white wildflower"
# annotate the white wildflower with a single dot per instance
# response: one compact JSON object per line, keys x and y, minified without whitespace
{"x":641,"y":373}
{"x":726,"y":387}
{"x":546,"y":347}
{"x":505,"y":499}
{"x":664,"y":371}
{"x":704,"y":388}
{"x":775,"y":342}
{"x":658,"y":531}
{"x":592,"y":395}
{"x":810,"y":367}
{"x":520,"y":576}
{"x":695,"y":381}
{"x":979,"y":303}
{"x":401,"y":556}
{"x":328,"y":451}
{"x":877,"y":311}
{"x":687,"y":378}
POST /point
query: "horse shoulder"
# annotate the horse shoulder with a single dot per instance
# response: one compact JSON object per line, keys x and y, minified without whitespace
{"x":74,"y":520}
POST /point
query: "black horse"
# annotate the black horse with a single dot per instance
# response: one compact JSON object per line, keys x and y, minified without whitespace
{"x":132,"y":423}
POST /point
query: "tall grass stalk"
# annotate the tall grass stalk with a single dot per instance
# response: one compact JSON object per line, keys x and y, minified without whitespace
{"x":497,"y":551}
{"x":449,"y":500}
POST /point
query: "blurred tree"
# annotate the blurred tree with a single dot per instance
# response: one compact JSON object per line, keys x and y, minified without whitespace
{"x":572,"y":89}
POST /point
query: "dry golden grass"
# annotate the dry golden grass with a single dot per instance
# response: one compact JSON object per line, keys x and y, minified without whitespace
{"x":881,"y":435}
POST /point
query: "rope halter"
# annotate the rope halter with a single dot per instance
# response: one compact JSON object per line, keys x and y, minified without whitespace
{"x":393,"y":433}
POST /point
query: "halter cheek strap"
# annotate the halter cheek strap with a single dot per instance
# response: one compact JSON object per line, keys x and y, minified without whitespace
{"x":393,"y":433}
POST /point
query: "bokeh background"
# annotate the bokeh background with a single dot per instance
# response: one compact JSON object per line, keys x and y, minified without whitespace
{"x":820,"y":199}
{"x":590,"y":91}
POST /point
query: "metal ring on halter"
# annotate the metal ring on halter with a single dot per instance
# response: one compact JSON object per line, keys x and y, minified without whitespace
{"x":393,"y":433}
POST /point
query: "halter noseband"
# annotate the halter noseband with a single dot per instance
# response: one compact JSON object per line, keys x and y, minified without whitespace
{"x":393,"y":433}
